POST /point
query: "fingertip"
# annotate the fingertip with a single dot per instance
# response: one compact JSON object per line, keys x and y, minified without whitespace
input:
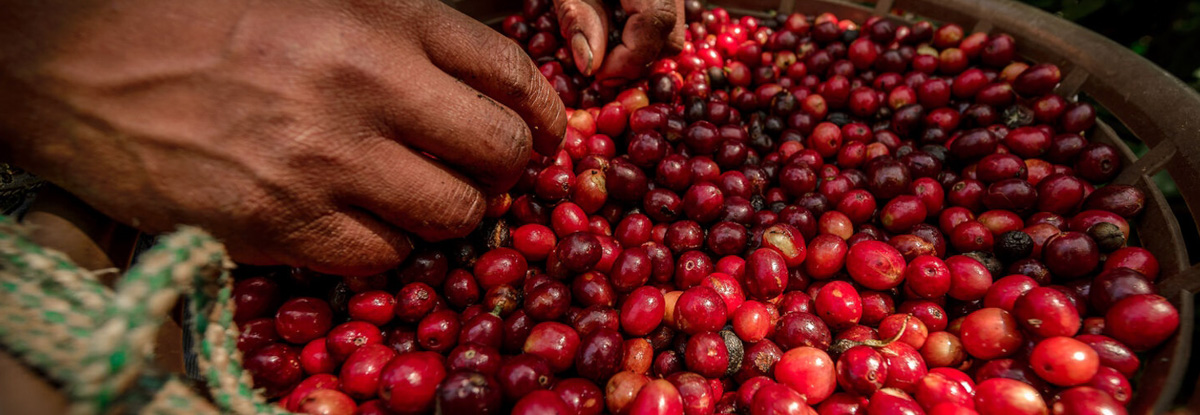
{"x":582,"y":52}
{"x":675,"y":41}
{"x":676,"y":44}
{"x":679,"y":34}
{"x":549,"y":144}
{"x":547,"y":138}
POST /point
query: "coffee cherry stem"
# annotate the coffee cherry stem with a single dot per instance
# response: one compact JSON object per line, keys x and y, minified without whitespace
{"x":842,"y":345}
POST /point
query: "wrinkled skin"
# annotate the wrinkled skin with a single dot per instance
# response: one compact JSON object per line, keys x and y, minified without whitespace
{"x":653,"y":28}
{"x":323,"y":134}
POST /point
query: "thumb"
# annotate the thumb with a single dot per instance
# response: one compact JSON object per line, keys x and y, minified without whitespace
{"x":585,"y":26}
{"x":653,"y":26}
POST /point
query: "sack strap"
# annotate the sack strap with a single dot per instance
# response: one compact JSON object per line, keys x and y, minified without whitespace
{"x":98,"y":343}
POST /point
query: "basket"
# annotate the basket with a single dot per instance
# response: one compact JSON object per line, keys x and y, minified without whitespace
{"x":1156,"y":108}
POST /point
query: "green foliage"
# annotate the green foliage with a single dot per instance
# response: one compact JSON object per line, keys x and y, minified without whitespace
{"x":1163,"y":180}
{"x":1166,"y":32}
{"x":1075,"y":10}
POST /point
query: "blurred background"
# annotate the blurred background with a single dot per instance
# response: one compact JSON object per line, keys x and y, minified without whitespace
{"x":1165,"y":32}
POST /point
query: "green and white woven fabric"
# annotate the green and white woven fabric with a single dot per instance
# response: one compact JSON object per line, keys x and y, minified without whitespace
{"x":97,"y":343}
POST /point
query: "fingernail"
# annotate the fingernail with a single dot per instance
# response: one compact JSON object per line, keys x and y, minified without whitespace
{"x":583,"y":53}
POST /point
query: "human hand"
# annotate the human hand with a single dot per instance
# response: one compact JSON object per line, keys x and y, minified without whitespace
{"x":315,"y":134}
{"x":653,"y":28}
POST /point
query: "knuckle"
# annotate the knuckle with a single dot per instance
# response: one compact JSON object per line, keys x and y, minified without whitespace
{"x":347,"y":245}
{"x":462,"y":212}
{"x":504,"y":149}
{"x":377,"y":252}
{"x":523,"y":87}
{"x":513,"y":68}
{"x":300,"y":233}
{"x":515,"y":145}
{"x":558,"y":115}
{"x":662,"y":18}
{"x":572,"y":13}
{"x":286,"y":212}
{"x":307,"y":245}
{"x":567,"y":12}
{"x":543,"y":98}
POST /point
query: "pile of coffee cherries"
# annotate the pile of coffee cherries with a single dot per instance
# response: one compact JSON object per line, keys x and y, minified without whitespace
{"x":795,"y":215}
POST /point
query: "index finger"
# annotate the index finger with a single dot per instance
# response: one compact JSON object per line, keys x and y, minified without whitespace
{"x":499,"y":68}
